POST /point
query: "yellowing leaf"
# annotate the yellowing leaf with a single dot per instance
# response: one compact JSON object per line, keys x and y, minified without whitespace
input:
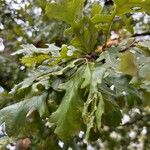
{"x":30,"y":61}
{"x":100,"y":110}
{"x":128,"y":64}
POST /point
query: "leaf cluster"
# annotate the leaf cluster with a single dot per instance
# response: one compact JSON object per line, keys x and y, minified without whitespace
{"x":73,"y":87}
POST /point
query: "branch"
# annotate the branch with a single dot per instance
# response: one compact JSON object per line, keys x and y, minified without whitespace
{"x":142,"y":34}
{"x":129,"y":46}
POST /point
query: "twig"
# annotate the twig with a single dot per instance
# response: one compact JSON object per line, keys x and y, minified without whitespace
{"x":131,"y":45}
{"x":142,"y":34}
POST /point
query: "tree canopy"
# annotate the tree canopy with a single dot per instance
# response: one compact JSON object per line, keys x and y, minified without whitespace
{"x":81,"y":78}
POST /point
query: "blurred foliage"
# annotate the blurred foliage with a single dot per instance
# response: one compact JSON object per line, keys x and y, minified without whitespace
{"x":10,"y":73}
{"x":21,"y":23}
{"x":25,"y":22}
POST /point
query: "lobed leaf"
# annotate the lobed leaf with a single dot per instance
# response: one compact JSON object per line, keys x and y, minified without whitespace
{"x":94,"y":105}
{"x":15,"y":115}
{"x":30,"y":49}
{"x":68,"y":115}
{"x":31,"y":61}
{"x":65,"y":10}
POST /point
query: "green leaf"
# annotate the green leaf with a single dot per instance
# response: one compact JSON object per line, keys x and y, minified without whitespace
{"x":31,"y":61}
{"x":66,"y":53}
{"x":120,"y":2}
{"x":41,"y":3}
{"x":86,"y":76}
{"x":77,"y":43}
{"x":110,"y":56}
{"x":96,"y":9}
{"x":113,"y":118}
{"x":68,"y":115}
{"x":133,"y":98}
{"x":147,"y":98}
{"x":30,"y":49}
{"x":97,"y":75}
{"x":145,"y":85}
{"x":144,"y":44}
{"x":100,"y":18}
{"x":99,"y":112}
{"x":126,"y":6}
{"x":91,"y":110}
{"x":65,"y":10}
{"x":24,"y":84}
{"x":144,"y":71}
{"x":128,"y":64}
{"x":5,"y":98}
{"x":112,"y":115}
{"x":41,"y":73}
{"x":15,"y":115}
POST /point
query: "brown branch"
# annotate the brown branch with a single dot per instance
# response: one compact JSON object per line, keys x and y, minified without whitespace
{"x":129,"y":46}
{"x":141,"y":34}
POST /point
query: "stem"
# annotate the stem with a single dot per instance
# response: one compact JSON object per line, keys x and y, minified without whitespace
{"x":110,"y":24}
